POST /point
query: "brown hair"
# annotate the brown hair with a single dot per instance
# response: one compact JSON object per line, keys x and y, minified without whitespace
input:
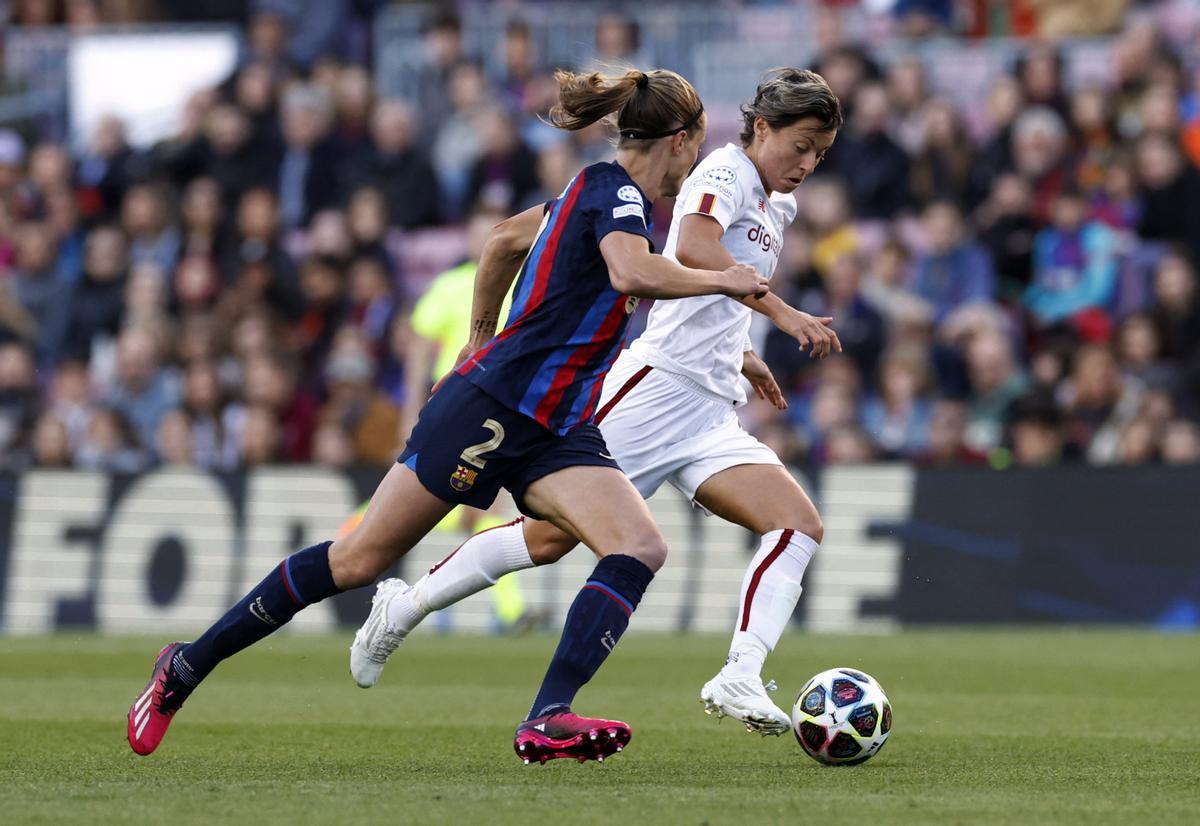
{"x":646,"y":105}
{"x":788,"y":95}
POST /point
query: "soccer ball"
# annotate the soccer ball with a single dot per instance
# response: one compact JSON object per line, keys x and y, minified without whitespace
{"x":842,"y":717}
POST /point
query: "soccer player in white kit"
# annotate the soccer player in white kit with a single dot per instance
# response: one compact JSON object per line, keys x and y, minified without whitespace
{"x":667,"y":410}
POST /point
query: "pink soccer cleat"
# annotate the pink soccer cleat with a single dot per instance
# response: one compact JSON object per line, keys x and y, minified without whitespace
{"x":151,"y":712}
{"x":565,"y":734}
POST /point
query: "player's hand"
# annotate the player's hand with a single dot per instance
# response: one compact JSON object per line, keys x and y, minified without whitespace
{"x":742,"y":280}
{"x":814,"y":333}
{"x":759,"y":375}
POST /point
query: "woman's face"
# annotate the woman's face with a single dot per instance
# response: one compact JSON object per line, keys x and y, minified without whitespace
{"x":785,"y":157}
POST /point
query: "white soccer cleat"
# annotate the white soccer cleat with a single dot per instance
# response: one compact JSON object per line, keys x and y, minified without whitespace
{"x":374,"y":643}
{"x":745,"y":699}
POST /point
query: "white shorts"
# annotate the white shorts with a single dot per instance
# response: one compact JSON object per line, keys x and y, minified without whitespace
{"x":660,"y":428}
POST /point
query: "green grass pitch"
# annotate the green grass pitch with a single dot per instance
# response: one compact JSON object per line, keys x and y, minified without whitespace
{"x":1020,"y":727}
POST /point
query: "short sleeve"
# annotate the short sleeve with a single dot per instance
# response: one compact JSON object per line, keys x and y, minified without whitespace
{"x":618,"y":207}
{"x":716,"y":192}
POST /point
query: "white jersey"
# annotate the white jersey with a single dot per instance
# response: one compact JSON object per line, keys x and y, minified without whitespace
{"x":703,"y":338}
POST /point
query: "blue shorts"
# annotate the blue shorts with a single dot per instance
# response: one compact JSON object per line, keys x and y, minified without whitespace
{"x":466,"y":446}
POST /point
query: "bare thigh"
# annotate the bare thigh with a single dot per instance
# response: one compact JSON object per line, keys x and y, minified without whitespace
{"x":600,"y":507}
{"x":401,"y":513}
{"x":761,"y":498}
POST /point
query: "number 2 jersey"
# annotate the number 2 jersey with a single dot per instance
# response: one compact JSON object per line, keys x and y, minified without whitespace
{"x":567,"y":322}
{"x":703,"y":338}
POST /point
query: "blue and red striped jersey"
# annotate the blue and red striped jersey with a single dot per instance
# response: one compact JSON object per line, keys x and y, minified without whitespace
{"x":567,"y":322}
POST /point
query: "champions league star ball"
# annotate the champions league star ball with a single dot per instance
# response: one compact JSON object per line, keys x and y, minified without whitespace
{"x":842,"y":717}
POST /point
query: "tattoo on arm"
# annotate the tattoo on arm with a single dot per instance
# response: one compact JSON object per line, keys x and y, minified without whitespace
{"x":485,"y":325}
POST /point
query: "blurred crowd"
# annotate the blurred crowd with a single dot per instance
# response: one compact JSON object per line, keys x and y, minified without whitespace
{"x":1014,"y":283}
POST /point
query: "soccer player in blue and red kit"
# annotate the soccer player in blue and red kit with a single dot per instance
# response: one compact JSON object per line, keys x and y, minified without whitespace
{"x":517,"y":414}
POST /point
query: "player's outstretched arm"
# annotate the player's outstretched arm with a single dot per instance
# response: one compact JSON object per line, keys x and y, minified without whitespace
{"x":636,"y":271}
{"x":700,"y":246}
{"x":501,"y":260}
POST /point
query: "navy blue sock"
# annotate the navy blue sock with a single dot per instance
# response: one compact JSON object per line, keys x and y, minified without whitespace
{"x":300,"y":580}
{"x":597,"y":619}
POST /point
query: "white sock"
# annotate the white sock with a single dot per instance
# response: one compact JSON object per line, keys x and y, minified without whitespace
{"x":476,"y":565}
{"x":769,"y":593}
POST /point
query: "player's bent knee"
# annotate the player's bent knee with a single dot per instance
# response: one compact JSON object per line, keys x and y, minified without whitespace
{"x":549,"y":552}
{"x":807,"y":521}
{"x":354,"y":565}
{"x":651,"y":551}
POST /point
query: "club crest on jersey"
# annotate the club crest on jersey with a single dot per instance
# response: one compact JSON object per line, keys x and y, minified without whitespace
{"x":630,"y":304}
{"x":629,"y":193}
{"x":462,"y":479}
{"x":720,"y":175}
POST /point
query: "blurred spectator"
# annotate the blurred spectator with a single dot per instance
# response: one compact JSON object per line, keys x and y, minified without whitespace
{"x":1074,"y":264}
{"x":147,"y":221}
{"x":1039,"y":150}
{"x":954,"y":271}
{"x":885,"y":286}
{"x":1096,"y":138}
{"x":271,"y":386}
{"x":1176,"y":308}
{"x":396,"y":164}
{"x":847,"y":444}
{"x":618,"y":42}
{"x":947,"y":434}
{"x":256,"y":262}
{"x":873,"y":164}
{"x":1139,"y":349}
{"x":1137,"y":443}
{"x":43,"y":290}
{"x":143,"y":390}
{"x":18,"y":403}
{"x":332,"y":446}
{"x":942,"y":168}
{"x":326,"y":307}
{"x":1037,"y":434}
{"x":308,"y":178}
{"x":442,"y":50}
{"x":215,"y":425}
{"x":173,"y":441}
{"x":1003,"y":105}
{"x":1040,"y":73}
{"x":1007,"y":232}
{"x":105,"y":169}
{"x":506,"y":171}
{"x":860,"y":328}
{"x":369,"y":417}
{"x":1100,"y":403}
{"x":1170,"y":189}
{"x":825,"y":205}
{"x":367,"y":221}
{"x":907,"y":92}
{"x":51,"y":443}
{"x":1181,"y":443}
{"x":110,"y":445}
{"x":1117,"y":203}
{"x":518,"y":67}
{"x":996,"y":381}
{"x":98,"y":301}
{"x":898,"y":418}
{"x":260,"y":438}
{"x":459,"y":144}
